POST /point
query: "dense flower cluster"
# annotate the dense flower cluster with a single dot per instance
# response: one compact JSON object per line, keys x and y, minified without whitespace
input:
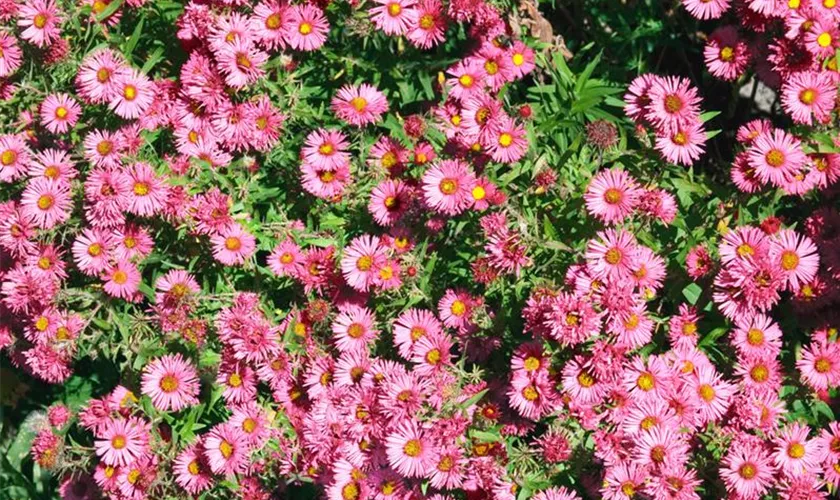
{"x":277,"y":264}
{"x":671,"y":105}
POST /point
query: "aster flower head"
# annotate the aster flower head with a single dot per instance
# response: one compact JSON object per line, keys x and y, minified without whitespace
{"x":233,"y":245}
{"x":776,"y":157}
{"x":410,"y":452}
{"x":354,"y":329}
{"x":226,"y":449}
{"x":121,"y":441}
{"x":674,"y":104}
{"x":809,"y":96}
{"x":359,"y":105}
{"x":447,"y":186}
{"x":40,"y":20}
{"x":362,"y":259}
{"x":59,"y":113}
{"x":726,"y":55}
{"x":171,"y":382}
{"x":394,"y":17}
{"x":612,"y":195}
{"x":305,"y":27}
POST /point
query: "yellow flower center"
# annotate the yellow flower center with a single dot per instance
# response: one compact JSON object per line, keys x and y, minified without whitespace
{"x":505,"y":139}
{"x":413,"y":448}
{"x":40,"y":21}
{"x":249,"y":425}
{"x":118,"y":442}
{"x":613,"y":256}
{"x":427,"y":22}
{"x":104,"y":147}
{"x":234,"y":380}
{"x":466,"y":81}
{"x":458,"y":308}
{"x":492,"y":67}
{"x":727,"y":54}
{"x":518,"y":59}
{"x":433,"y":356}
{"x":532,"y":363}
{"x":141,"y":188}
{"x":612,"y":196}
{"x":273,"y":21}
{"x":130,"y":92}
{"x":585,"y":380}
{"x":448,"y":186}
{"x":822,"y":365}
{"x":45,"y":201}
{"x":226,"y":449}
{"x":356,"y":330}
{"x":760,"y":373}
{"x":824,"y":40}
{"x":193,"y":468}
{"x":394,"y":9}
{"x":530,"y":393}
{"x":807,"y":96}
{"x":747,"y":471}
{"x":120,"y":277}
{"x":789,"y":260}
{"x":359,"y":103}
{"x":646,"y":381}
{"x":706,"y":392}
{"x":61,"y":112}
{"x":796,"y":450}
{"x":680,"y":138}
{"x":233,"y":243}
{"x":94,"y":250}
{"x":103,"y":75}
{"x":305,"y":28}
{"x":8,"y":157}
{"x":479,"y":193}
{"x":673,"y":103}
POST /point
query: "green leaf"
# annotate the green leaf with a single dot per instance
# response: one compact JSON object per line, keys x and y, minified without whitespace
{"x":474,"y":399}
{"x":109,"y":10}
{"x":692,"y":293}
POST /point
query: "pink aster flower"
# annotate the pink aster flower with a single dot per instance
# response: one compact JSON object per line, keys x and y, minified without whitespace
{"x":776,"y":157}
{"x":226,"y":449}
{"x":757,"y":335}
{"x":409,"y":451}
{"x":305,"y":27}
{"x":429,"y":28}
{"x":15,"y":157}
{"x":10,"y":55}
{"x":674,"y":104}
{"x":171,"y":382}
{"x":507,"y":142}
{"x":447,"y":186}
{"x":59,"y":113}
{"x":360,"y":105}
{"x":53,"y":164}
{"x":354,"y":329}
{"x":796,"y":255}
{"x":122,"y":279}
{"x":819,"y":366}
{"x":809,"y":95}
{"x":133,"y":94}
{"x":726,"y":55}
{"x":362,"y":259}
{"x":611,"y":256}
{"x":795,"y":453}
{"x":121,"y":441}
{"x":394,"y":17}
{"x":95,"y":79}
{"x":747,"y":471}
{"x":706,"y":9}
{"x":148,"y":192}
{"x":267,"y":21}
{"x":233,"y":245}
{"x":40,"y":21}
{"x":465,"y":81}
{"x":92,"y":251}
{"x":192,"y":471}
{"x":389,"y":201}
{"x":102,"y":148}
{"x":521,"y":58}
{"x":823,"y":38}
{"x":411,"y":326}
{"x":612,"y":195}
{"x":324,"y":183}
{"x":432,"y":354}
{"x":241,"y":63}
{"x":47,"y":202}
{"x":326,"y":149}
{"x":684,"y":144}
{"x":286,"y":259}
{"x":714,"y":394}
